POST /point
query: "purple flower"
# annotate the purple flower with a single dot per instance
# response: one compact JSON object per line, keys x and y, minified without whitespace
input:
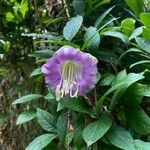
{"x":70,"y":72}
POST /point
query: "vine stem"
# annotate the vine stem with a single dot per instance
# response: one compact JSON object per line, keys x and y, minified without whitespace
{"x":66,"y":8}
{"x":68,"y":129}
{"x":95,"y":93}
{"x":88,"y":100}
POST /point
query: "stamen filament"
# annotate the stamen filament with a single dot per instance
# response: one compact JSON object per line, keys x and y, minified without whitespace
{"x":69,"y":72}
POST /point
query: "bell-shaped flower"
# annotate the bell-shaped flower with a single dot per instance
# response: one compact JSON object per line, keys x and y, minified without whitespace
{"x":70,"y":72}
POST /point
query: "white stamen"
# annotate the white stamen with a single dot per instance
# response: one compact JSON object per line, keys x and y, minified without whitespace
{"x":76,"y":92}
{"x":69,"y":73}
{"x":58,"y":93}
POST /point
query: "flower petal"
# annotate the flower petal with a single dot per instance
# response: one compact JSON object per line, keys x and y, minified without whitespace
{"x":87,"y":83}
{"x":67,"y":53}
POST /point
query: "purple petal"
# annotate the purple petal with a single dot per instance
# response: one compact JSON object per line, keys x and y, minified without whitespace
{"x":51,"y":69}
{"x":89,"y":64}
{"x":67,"y":53}
{"x":87,"y":83}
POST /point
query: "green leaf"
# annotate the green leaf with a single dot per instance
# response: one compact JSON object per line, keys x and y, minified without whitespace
{"x":134,"y":94}
{"x":93,"y":37}
{"x":69,"y":138}
{"x":121,"y":84}
{"x":107,"y":55}
{"x":98,"y":76}
{"x":24,"y":7}
{"x":46,"y":120}
{"x":129,"y":51}
{"x":87,"y":42}
{"x":49,"y":96}
{"x":120,"y":77}
{"x":117,"y":34}
{"x":141,"y":145}
{"x":95,"y":130}
{"x":27,"y":98}
{"x":51,"y":21}
{"x":128,"y":22}
{"x":41,"y":141}
{"x":9,"y":16}
{"x":147,"y":92}
{"x":107,"y":80}
{"x":45,"y":53}
{"x":146,"y":33}
{"x":79,"y":6}
{"x":145,"y":19}
{"x":72,"y":27}
{"x":143,"y":44}
{"x":98,"y":4}
{"x":78,"y":129}
{"x":115,"y":84}
{"x":100,"y":19}
{"x":139,"y":63}
{"x":136,"y":32}
{"x":26,"y":116}
{"x":36,"y":72}
{"x":138,"y":120}
{"x":120,"y":138}
{"x":127,"y":26}
{"x":60,"y":106}
{"x":135,"y":5}
{"x":59,"y":42}
{"x":146,"y":74}
{"x":77,"y":105}
{"x":88,"y":7}
{"x":61,"y":125}
{"x":127,"y":82}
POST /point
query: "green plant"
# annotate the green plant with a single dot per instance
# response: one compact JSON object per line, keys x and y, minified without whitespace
{"x":115,"y":114}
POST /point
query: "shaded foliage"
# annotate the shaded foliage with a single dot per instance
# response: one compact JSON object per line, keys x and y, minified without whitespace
{"x":115,"y":115}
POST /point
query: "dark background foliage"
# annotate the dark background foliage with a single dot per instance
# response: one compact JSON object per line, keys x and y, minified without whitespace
{"x":117,"y":111}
